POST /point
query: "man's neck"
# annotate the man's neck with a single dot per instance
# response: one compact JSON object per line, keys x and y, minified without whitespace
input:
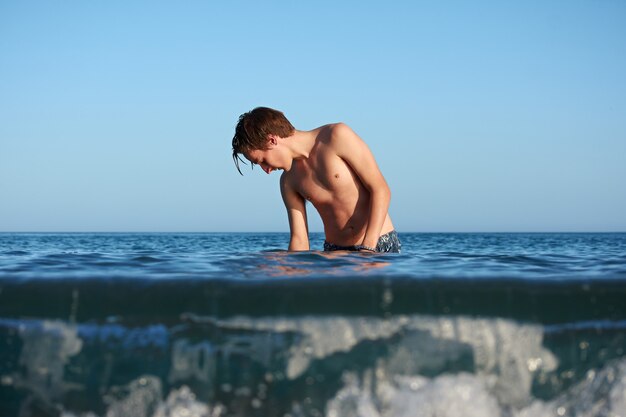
{"x":301,"y":143}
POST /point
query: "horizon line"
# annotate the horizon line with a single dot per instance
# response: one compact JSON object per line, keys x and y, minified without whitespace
{"x":287,"y":232}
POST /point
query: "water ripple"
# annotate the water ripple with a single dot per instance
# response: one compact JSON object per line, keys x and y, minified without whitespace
{"x":259,"y":256}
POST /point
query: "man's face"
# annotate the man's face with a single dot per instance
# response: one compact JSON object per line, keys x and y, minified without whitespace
{"x":269,"y":159}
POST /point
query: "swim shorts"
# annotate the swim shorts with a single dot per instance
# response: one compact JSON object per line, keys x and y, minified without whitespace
{"x":388,"y":242}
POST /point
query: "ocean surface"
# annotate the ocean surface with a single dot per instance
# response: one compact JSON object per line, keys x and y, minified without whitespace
{"x":222,"y":324}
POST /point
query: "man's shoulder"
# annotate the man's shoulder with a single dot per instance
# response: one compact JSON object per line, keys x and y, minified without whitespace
{"x":287,"y":178}
{"x":339,"y":129}
{"x":334,"y":132}
{"x":285,"y":182}
{"x":341,"y":138}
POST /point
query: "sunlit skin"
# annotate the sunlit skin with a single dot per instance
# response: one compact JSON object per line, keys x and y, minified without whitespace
{"x":333,"y":169}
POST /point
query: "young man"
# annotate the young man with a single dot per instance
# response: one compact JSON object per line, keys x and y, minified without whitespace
{"x":329,"y":166}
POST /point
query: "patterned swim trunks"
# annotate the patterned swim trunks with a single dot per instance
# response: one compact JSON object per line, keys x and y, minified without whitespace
{"x":388,"y":242}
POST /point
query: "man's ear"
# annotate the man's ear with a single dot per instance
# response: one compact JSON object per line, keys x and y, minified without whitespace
{"x":272,"y":139}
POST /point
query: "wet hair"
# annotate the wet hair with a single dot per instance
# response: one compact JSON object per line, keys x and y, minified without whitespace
{"x":253,"y":128}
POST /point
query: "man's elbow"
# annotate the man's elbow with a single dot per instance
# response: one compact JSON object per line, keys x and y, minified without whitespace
{"x":382,"y":191}
{"x":387,"y":192}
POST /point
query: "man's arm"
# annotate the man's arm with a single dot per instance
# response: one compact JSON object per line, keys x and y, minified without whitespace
{"x":296,"y":211}
{"x":351,"y":148}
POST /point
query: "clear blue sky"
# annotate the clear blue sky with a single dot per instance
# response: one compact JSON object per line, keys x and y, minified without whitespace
{"x":483,"y":116}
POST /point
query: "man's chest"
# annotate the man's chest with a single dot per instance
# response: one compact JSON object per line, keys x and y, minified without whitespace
{"x":324,"y":179}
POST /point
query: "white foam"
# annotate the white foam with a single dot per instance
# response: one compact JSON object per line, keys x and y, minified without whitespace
{"x":601,"y":393}
{"x":320,"y":336}
{"x":376,"y":394}
{"x":496,"y":361}
{"x":444,"y":396}
{"x":511,"y":351}
{"x":502,"y":355}
{"x":47,"y":347}
{"x":182,"y":403}
{"x":142,"y":398}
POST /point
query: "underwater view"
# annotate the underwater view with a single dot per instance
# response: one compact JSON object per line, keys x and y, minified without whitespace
{"x":230,"y":324}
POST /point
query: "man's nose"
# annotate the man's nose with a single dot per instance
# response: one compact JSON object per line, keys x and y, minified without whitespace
{"x":266,"y":169}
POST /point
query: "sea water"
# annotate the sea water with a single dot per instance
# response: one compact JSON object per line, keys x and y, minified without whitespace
{"x":143,"y":325}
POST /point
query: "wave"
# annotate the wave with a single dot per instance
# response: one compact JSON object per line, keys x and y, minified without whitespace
{"x":402,"y":365}
{"x":367,"y":346}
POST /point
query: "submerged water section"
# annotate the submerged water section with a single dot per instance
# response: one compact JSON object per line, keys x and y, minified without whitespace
{"x":167,"y":325}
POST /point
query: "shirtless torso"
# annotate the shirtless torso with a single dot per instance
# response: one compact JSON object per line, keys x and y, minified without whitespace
{"x":333,"y":187}
{"x":333,"y":169}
